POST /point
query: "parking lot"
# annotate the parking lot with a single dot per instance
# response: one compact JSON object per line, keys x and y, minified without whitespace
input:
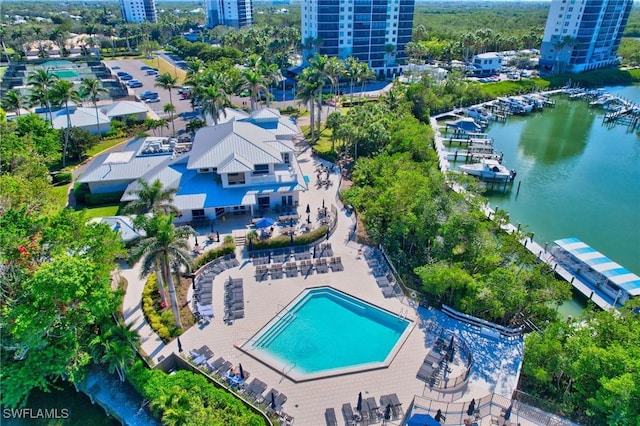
{"x":183,"y":113}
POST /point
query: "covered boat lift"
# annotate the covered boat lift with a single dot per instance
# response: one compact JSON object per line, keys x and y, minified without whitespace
{"x":603,"y":276}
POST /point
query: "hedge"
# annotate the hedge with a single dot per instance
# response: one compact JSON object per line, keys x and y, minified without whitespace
{"x":208,"y":256}
{"x":190,"y":397}
{"x":160,"y":320}
{"x":285,"y":241}
{"x":62,"y":178}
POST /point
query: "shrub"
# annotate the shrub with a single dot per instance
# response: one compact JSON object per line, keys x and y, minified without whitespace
{"x":209,"y":405}
{"x":226,"y":248}
{"x":160,"y":319}
{"x":103,"y":198}
{"x":285,"y":241}
{"x":62,"y":178}
{"x":81,"y":191}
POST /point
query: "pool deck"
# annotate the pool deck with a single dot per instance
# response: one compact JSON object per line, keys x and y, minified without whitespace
{"x":496,"y":365}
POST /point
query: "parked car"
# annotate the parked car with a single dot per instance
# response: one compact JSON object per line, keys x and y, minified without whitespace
{"x":115,"y":67}
{"x":151,"y":100}
{"x":134,"y":83}
{"x":121,"y":73}
{"x":148,"y":94}
{"x":152,"y":72}
{"x":145,"y":67}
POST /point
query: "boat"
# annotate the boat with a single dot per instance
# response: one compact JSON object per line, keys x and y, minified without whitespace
{"x":489,"y":169}
{"x":479,"y":113}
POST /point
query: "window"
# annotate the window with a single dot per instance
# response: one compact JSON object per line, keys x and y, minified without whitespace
{"x":236,"y":178}
{"x":261,"y":169}
{"x":198,"y":214}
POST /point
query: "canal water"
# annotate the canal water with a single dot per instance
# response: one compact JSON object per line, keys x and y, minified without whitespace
{"x":579,"y":178}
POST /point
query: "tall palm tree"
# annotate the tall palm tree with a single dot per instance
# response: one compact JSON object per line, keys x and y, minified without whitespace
{"x":308,"y":88}
{"x":111,"y":33}
{"x":365,"y":74}
{"x":352,"y":68}
{"x":254,"y":82}
{"x":63,"y":92}
{"x":92,"y":88}
{"x":271,"y":74}
{"x":168,"y":82}
{"x":125,"y":32}
{"x":40,"y":80}
{"x":319,"y":64}
{"x":13,"y":101}
{"x":152,"y":198}
{"x":18,"y":34}
{"x":166,"y":245}
{"x":335,"y":70}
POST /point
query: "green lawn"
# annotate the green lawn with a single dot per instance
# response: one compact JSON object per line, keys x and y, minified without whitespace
{"x":323,"y":144}
{"x":60,"y":193}
{"x":164,"y":66}
{"x":100,"y":211}
{"x":105,"y":144}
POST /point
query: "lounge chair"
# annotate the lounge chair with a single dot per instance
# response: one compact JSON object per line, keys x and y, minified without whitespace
{"x":426,"y":372}
{"x":347,"y":413}
{"x":255,"y":389}
{"x":224,"y":368}
{"x":388,"y":292}
{"x":330,"y":417}
{"x":374,"y":411}
{"x":215,"y":365}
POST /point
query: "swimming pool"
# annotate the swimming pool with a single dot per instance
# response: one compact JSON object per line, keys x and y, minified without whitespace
{"x":325,"y":332}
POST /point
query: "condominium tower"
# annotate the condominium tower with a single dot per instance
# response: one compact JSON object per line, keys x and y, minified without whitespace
{"x":138,"y":10}
{"x":230,"y":13}
{"x":583,"y":35}
{"x":374,"y":31}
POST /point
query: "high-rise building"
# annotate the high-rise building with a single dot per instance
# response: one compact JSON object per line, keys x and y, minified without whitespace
{"x":138,"y":10}
{"x":230,"y":13}
{"x":583,"y":35}
{"x":374,"y":31}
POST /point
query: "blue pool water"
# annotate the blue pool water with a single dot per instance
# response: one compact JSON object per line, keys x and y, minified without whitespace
{"x":328,"y":330}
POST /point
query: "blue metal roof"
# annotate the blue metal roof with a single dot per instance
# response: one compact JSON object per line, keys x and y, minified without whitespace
{"x":201,"y":191}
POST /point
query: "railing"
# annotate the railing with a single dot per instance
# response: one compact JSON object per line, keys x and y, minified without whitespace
{"x":469,"y":319}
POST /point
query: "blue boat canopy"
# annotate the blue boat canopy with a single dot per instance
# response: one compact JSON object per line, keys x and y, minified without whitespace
{"x":597,"y":261}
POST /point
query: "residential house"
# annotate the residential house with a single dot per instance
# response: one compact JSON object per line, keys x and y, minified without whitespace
{"x":487,"y":63}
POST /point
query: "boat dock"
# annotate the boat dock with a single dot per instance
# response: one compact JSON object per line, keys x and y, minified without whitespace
{"x":621,"y":111}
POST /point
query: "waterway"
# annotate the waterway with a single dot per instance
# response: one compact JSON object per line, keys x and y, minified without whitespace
{"x":579,"y":178}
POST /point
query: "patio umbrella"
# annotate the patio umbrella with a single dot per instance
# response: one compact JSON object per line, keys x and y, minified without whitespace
{"x":472,"y":407}
{"x":507,"y":414}
{"x":387,"y":412}
{"x":241,"y":371}
{"x":450,"y":348}
{"x":179,"y":345}
{"x":265,"y":222}
{"x":196,"y":241}
{"x":438,"y":416}
{"x":273,"y":401}
{"x":359,"y":404}
{"x":291,"y":242}
{"x":308,"y":219}
{"x":217,"y":236}
{"x":308,"y":209}
{"x":323,"y":203}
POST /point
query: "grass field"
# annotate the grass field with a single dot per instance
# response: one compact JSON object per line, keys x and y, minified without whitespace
{"x":100,"y":211}
{"x":164,"y":66}
{"x":323,"y":144}
{"x":105,"y":144}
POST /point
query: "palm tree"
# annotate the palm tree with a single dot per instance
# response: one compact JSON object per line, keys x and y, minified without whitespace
{"x":13,"y":101}
{"x":308,"y":88}
{"x":92,"y":88}
{"x":18,"y":34}
{"x":111,"y":32}
{"x":195,"y":124}
{"x":254,"y":82}
{"x":167,"y":246}
{"x":335,"y":70}
{"x":116,"y":346}
{"x":40,"y":80}
{"x":352,"y":68}
{"x":319,"y":64}
{"x":152,"y":199}
{"x":365,"y":74}
{"x":271,"y":74}
{"x":168,"y":82}
{"x":213,"y":100}
{"x":125,"y":32}
{"x":63,"y":92}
